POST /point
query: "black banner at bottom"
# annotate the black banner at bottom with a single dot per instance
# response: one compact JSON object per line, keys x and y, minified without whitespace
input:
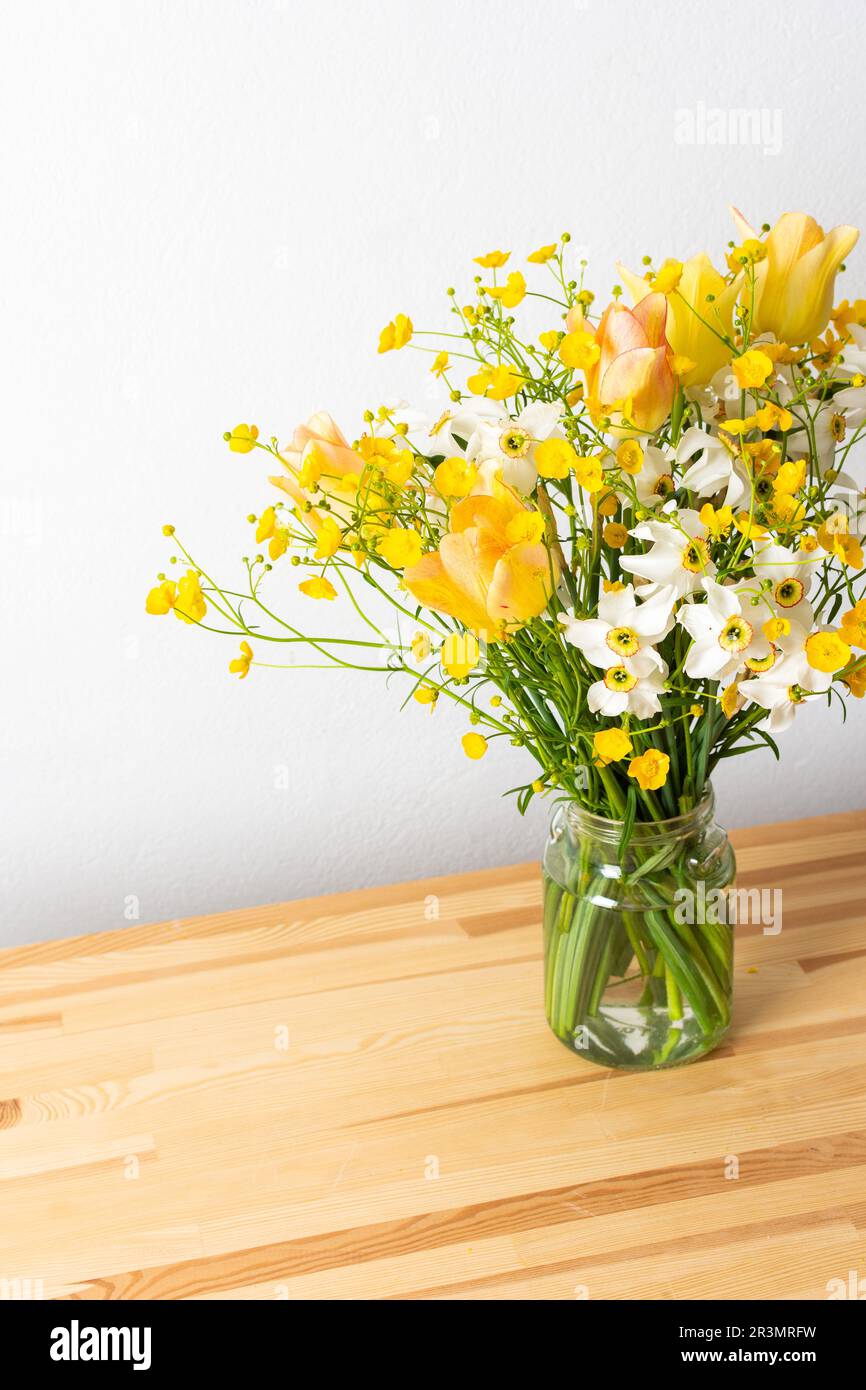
{"x":146,"y":1338}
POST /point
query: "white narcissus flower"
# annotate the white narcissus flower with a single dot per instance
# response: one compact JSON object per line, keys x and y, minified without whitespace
{"x":786,"y":686}
{"x":505,"y":447}
{"x":680,"y":555}
{"x":655,"y":481}
{"x":724,"y":636}
{"x":714,"y":469}
{"x":633,"y":685}
{"x":790,"y":574}
{"x":623,"y":627}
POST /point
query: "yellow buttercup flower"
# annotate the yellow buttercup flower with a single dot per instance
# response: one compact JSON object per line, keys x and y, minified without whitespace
{"x":242,"y":439}
{"x":750,"y":253}
{"x":773,"y":417}
{"x":844,"y":546}
{"x":856,"y":683}
{"x":496,"y":383}
{"x":241,"y":664}
{"x":459,"y":654}
{"x":162,"y":599}
{"x":550,"y":340}
{"x":749,"y":527}
{"x":474,"y":746}
{"x":426,"y":695}
{"x":615,"y":535}
{"x":511,"y":293}
{"x":543,"y":254}
{"x":554,"y":458}
{"x":717,"y":522}
{"x":608,"y":505}
{"x":790,"y":477}
{"x":395,"y":334}
{"x":667,"y":279}
{"x":440,"y":363}
{"x":329,"y":538}
{"x":853,"y":628}
{"x":826,"y":651}
{"x":731,"y":700}
{"x":752,"y":368}
{"x":455,"y":477}
{"x":318,"y":587}
{"x":610,"y":745}
{"x":579,"y":350}
{"x":190,"y":606}
{"x":401,"y":546}
{"x":629,"y":456}
{"x":493,"y":260}
{"x":422,"y":646}
{"x":588,"y":471}
{"x":650,"y":769}
{"x":265,"y":528}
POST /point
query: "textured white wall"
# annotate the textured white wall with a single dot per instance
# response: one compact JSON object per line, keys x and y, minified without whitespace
{"x":210,"y":209}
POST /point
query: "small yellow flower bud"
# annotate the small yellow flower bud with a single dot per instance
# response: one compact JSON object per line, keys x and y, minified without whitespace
{"x":168,"y":530}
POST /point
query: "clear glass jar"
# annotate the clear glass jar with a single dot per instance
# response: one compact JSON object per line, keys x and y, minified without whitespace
{"x":638,"y":951}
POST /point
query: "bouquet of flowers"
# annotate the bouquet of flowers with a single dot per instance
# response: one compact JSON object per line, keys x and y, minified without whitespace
{"x":629,"y":544}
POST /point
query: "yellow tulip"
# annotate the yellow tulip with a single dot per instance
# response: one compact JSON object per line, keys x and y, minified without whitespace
{"x":486,"y":573}
{"x":795,"y":281}
{"x":693,"y":324}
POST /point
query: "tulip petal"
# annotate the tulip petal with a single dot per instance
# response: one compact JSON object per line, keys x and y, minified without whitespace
{"x":431,"y":584}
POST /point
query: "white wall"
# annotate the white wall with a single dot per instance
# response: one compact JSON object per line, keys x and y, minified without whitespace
{"x":209,"y":211}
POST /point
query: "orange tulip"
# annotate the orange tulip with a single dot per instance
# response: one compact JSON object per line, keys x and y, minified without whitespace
{"x":492,"y":570}
{"x":696,"y":328}
{"x":320,"y":450}
{"x":795,"y":281}
{"x":632,"y":382}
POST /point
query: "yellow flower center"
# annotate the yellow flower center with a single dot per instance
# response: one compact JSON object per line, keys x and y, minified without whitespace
{"x":761,"y":663}
{"x":623,"y":640}
{"x":664,"y":485}
{"x":789,"y":593}
{"x":696,"y":556}
{"x":515,"y":443}
{"x":736,"y":634}
{"x":618,"y":678}
{"x":838,"y":426}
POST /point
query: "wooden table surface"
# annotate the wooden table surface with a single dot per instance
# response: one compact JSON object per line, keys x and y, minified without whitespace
{"x":357,"y":1096}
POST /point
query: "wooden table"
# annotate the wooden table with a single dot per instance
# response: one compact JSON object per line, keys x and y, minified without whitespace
{"x":358,"y":1097}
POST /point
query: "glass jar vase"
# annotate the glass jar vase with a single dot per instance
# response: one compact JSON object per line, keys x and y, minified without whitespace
{"x":638,"y":950}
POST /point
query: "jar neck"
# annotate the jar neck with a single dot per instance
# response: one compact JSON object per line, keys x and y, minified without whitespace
{"x":586,"y":825}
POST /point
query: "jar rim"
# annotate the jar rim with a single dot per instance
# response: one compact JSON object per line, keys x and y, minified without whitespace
{"x":588,"y":822}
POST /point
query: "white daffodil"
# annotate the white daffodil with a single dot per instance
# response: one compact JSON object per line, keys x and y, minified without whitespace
{"x":790,"y":574}
{"x":504,"y":447}
{"x":724,"y":637}
{"x":785,"y":687}
{"x":623,"y":627}
{"x":655,"y":481}
{"x":680,"y":555}
{"x":716,"y":466}
{"x":852,"y":360}
{"x":633,"y":685}
{"x":447,"y":435}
